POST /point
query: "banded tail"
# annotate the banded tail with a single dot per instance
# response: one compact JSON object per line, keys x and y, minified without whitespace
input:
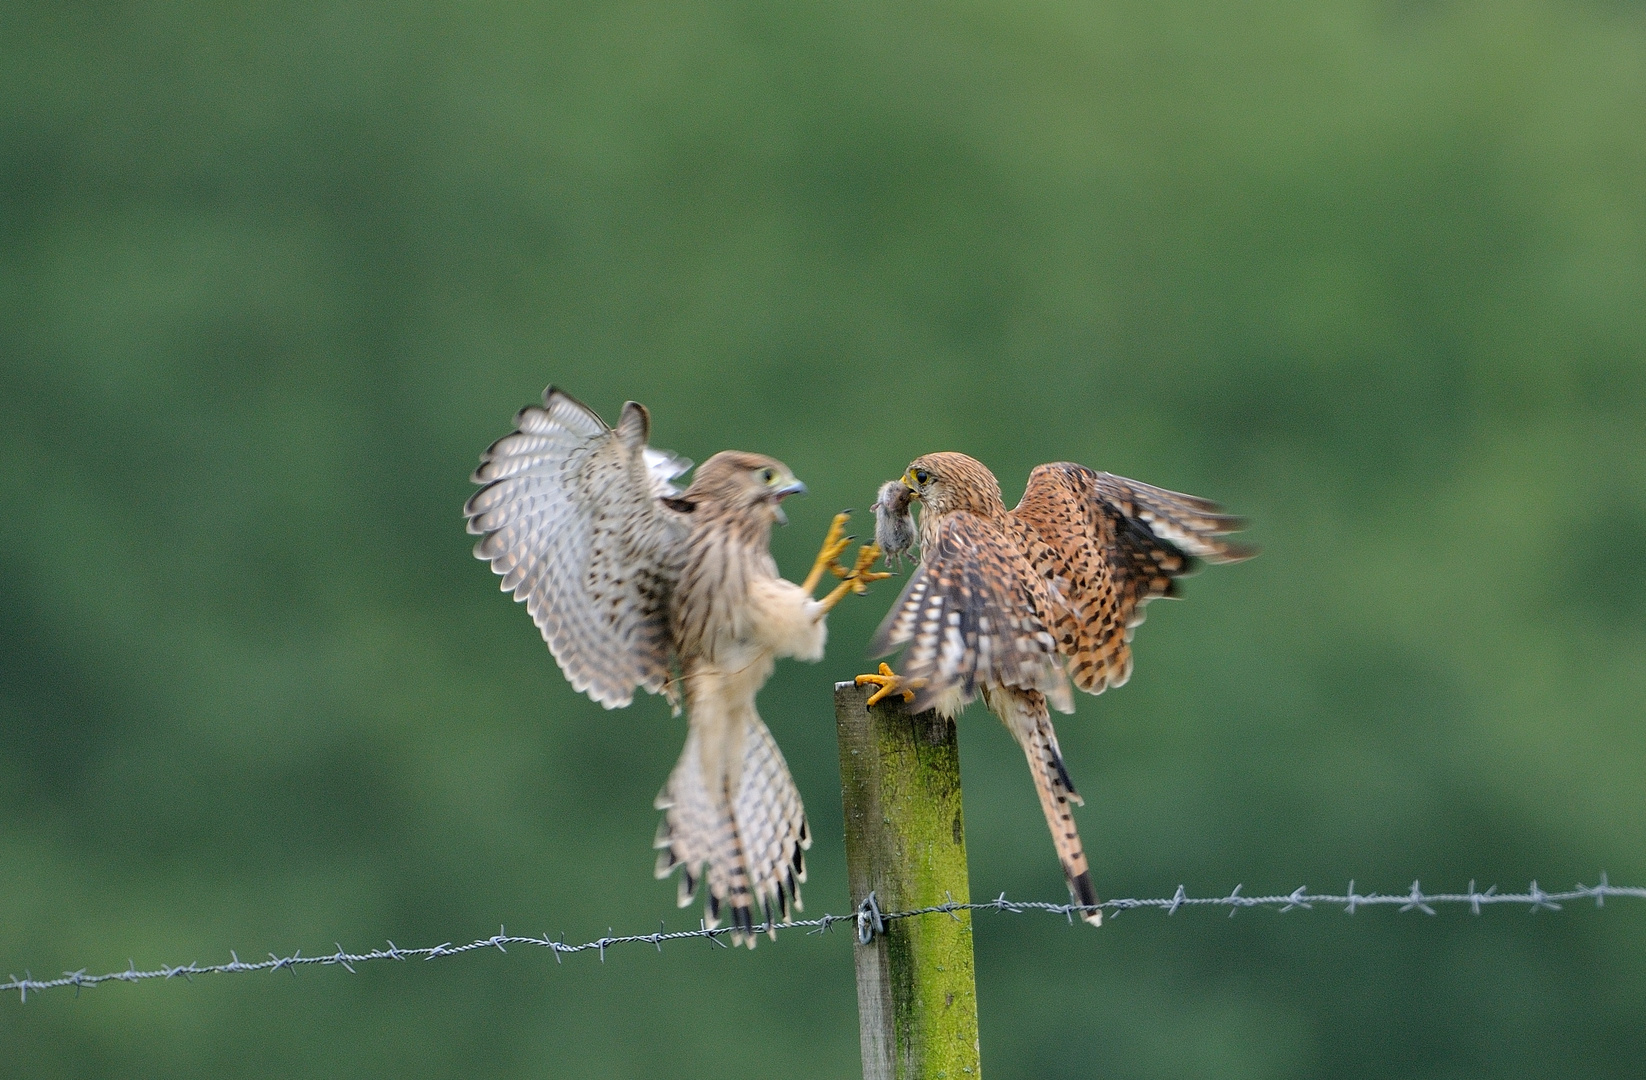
{"x":731,"y":805}
{"x":1026,"y":717}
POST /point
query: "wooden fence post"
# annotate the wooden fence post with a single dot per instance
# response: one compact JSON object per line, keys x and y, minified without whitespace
{"x":906,"y":843}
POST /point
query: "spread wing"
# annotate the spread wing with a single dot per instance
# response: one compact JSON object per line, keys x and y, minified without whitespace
{"x":972,"y":613}
{"x":1108,"y":546}
{"x":575,"y":517}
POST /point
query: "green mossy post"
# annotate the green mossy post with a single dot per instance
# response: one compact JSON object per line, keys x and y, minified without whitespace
{"x":906,"y":842}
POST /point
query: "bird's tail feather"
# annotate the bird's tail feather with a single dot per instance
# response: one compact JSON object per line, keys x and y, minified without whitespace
{"x":739,"y":815}
{"x":1032,"y":725}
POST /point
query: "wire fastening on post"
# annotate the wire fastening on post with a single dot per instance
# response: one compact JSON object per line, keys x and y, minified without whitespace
{"x":870,"y":919}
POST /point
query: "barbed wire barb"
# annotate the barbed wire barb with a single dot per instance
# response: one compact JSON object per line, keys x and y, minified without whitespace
{"x":869,"y":920}
{"x":1415,"y":899}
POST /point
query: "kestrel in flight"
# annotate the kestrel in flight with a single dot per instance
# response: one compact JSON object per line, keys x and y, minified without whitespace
{"x":1014,"y":604}
{"x":636,"y":583}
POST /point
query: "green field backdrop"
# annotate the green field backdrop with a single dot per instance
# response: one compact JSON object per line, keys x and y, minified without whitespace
{"x":272,"y":275}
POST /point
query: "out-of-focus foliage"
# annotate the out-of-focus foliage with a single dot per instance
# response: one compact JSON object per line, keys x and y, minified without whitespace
{"x":272,"y":275}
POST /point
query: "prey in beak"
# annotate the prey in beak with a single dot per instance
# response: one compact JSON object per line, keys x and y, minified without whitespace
{"x":893,"y":524}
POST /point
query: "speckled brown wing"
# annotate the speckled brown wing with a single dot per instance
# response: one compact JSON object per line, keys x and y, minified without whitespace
{"x":1106,"y":546}
{"x":972,"y":614}
{"x":573,"y":515}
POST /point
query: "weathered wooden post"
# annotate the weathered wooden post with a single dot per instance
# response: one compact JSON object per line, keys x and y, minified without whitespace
{"x":906,"y":843}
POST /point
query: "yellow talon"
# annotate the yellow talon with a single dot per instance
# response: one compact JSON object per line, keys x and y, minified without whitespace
{"x":854,"y":580}
{"x":835,"y":543}
{"x":860,"y":575}
{"x":889,"y":683}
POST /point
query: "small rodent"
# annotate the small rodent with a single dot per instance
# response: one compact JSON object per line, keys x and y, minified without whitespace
{"x":893,"y":524}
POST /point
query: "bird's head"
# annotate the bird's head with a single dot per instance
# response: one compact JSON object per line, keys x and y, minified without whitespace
{"x":946,"y":482}
{"x":751,"y":483}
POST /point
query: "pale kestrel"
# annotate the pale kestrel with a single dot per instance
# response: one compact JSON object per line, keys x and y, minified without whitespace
{"x":1013,"y":604}
{"x":636,"y":583}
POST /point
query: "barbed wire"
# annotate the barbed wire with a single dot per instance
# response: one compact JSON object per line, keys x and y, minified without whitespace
{"x":868,"y":920}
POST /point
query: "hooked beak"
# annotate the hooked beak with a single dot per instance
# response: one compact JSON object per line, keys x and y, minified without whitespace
{"x":793,"y":487}
{"x":914,"y":492}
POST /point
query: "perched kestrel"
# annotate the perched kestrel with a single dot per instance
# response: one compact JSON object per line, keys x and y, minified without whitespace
{"x":1013,"y":604}
{"x":636,"y":583}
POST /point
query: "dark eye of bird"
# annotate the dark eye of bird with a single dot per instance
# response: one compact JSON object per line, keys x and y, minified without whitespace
{"x":766,"y":476}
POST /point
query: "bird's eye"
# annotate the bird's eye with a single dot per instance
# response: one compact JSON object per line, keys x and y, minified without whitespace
{"x":921,"y":476}
{"x":767,"y":476}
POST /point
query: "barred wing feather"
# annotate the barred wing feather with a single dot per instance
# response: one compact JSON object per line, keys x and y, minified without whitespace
{"x":573,"y":517}
{"x":972,"y":614}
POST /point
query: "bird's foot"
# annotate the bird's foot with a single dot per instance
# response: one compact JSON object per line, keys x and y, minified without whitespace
{"x":889,"y":682}
{"x":857,"y":578}
{"x":835,"y":543}
{"x":860,"y":575}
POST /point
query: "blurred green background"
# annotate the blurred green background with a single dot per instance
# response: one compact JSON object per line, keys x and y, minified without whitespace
{"x":273,"y":275}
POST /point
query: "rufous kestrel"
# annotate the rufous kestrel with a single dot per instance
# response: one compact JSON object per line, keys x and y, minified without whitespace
{"x":1015,"y":604}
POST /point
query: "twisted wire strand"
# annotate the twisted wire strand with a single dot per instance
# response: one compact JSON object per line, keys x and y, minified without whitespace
{"x":868,"y":920}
